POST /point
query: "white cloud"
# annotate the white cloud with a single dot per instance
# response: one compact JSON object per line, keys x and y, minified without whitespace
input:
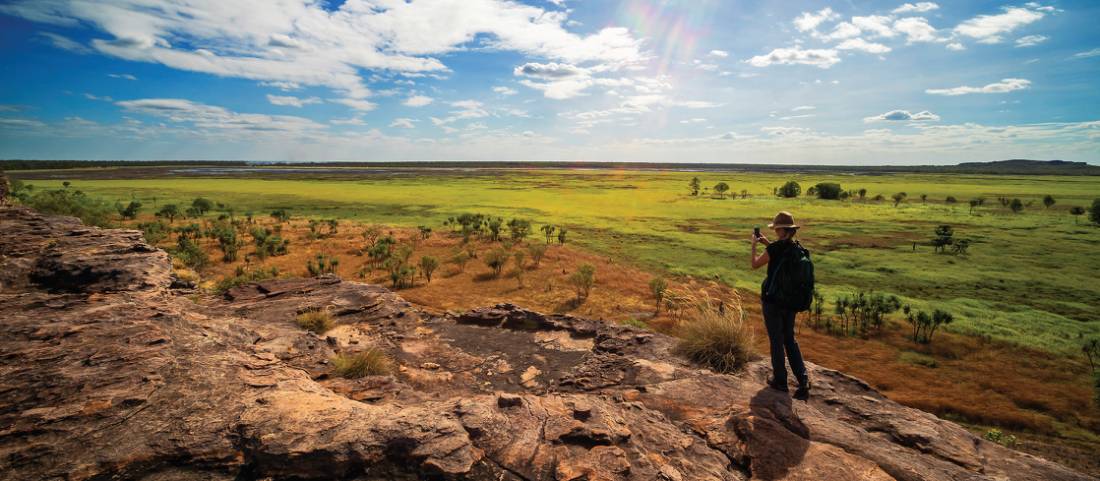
{"x":991,"y":28}
{"x":879,"y":25}
{"x":218,"y":120}
{"x":821,"y":58}
{"x":64,"y":43}
{"x":956,"y":46}
{"x":802,"y":108}
{"x":418,"y":101}
{"x":284,"y":86}
{"x":1005,"y":85}
{"x":916,"y":29}
{"x":1087,"y":54}
{"x":719,"y":53}
{"x":464,"y":110}
{"x":9,"y":123}
{"x":357,"y":104}
{"x":842,"y":31}
{"x":403,"y":123}
{"x":862,"y":45}
{"x":919,"y":7}
{"x":697,"y":120}
{"x":548,"y":71}
{"x":1030,"y":40}
{"x":304,"y":43}
{"x":349,"y":121}
{"x":94,"y":97}
{"x":809,"y":21}
{"x":556,"y":80}
{"x":291,"y":101}
{"x":505,"y":91}
{"x":124,"y":76}
{"x":904,"y":115}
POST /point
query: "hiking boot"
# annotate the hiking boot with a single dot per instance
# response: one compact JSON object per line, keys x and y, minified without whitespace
{"x":803,"y":391}
{"x":777,"y":386}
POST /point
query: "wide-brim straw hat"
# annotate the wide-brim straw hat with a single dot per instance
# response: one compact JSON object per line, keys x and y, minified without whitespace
{"x":783,"y":220}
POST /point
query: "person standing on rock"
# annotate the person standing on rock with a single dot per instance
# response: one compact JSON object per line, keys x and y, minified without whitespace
{"x":786,"y":291}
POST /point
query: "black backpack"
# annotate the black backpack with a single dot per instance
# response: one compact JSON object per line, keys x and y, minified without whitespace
{"x":792,"y":284}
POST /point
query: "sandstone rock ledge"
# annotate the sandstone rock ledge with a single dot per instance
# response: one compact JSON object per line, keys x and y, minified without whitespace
{"x":107,"y":373}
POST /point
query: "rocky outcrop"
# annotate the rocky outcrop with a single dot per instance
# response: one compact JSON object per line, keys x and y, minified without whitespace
{"x":106,"y":373}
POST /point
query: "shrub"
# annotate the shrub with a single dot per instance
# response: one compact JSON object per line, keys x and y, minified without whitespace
{"x":1076,"y":211}
{"x":548,"y":231}
{"x":583,"y":280}
{"x":917,"y":359}
{"x":1016,"y":206}
{"x":190,"y":254}
{"x":171,"y":211}
{"x":721,"y":188}
{"x":242,"y":277}
{"x":995,"y":435}
{"x":460,"y":258}
{"x":324,"y":265}
{"x":562,"y":230}
{"x":924,"y":324}
{"x":371,"y":362}
{"x":537,"y":251}
{"x":899,"y":197}
{"x":428,"y":265}
{"x":496,"y":259}
{"x":828,"y":190}
{"x":129,"y":211}
{"x":714,"y":335}
{"x":202,"y":205}
{"x":640,"y":324}
{"x":658,"y":286}
{"x":789,"y":190}
{"x":154,"y":232}
{"x":519,"y":228}
{"x":90,"y":210}
{"x":280,"y":215}
{"x":1094,"y":212}
{"x":951,"y":200}
{"x":317,"y":321}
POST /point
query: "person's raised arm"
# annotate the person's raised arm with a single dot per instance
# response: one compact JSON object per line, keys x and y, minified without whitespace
{"x":762,"y":259}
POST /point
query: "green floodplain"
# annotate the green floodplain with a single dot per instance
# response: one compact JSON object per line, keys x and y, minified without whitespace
{"x":1029,"y":277}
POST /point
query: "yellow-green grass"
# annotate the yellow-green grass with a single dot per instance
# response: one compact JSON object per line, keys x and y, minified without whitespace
{"x":1030,"y":278}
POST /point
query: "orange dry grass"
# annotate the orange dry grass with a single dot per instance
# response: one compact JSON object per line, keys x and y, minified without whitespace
{"x":986,"y":383}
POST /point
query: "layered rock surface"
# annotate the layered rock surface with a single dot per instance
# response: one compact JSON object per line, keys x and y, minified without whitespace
{"x":108,"y":373}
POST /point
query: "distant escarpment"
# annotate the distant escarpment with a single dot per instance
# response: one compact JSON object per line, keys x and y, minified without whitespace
{"x":108,"y":372}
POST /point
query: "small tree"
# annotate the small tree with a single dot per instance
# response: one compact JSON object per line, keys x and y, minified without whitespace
{"x":1076,"y":211}
{"x":828,"y":190}
{"x":548,"y":231}
{"x":428,"y":264}
{"x":459,"y":259}
{"x":862,"y":193}
{"x":583,"y":280}
{"x":1091,"y":349}
{"x":658,"y":286}
{"x":171,"y":211}
{"x":973,"y":203}
{"x":425,"y":231}
{"x":202,"y":205}
{"x":562,"y":231}
{"x":944,"y":237}
{"x":1048,"y":201}
{"x":924,"y":198}
{"x":519,"y":228}
{"x":1016,"y":206}
{"x":1094,"y":212}
{"x":899,"y":197}
{"x":694,"y":185}
{"x":950,"y":200}
{"x":721,"y":188}
{"x":537,"y":251}
{"x":280,"y":215}
{"x":130,"y":211}
{"x":790,"y":190}
{"x":496,"y":259}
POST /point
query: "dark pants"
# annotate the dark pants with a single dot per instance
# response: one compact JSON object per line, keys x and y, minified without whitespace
{"x":780,"y":324}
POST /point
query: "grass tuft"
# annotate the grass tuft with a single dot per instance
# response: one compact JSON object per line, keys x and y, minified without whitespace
{"x":317,"y":321}
{"x":712,"y":332}
{"x":372,"y":362}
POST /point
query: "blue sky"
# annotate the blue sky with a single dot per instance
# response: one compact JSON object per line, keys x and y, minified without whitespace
{"x":856,"y":82}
